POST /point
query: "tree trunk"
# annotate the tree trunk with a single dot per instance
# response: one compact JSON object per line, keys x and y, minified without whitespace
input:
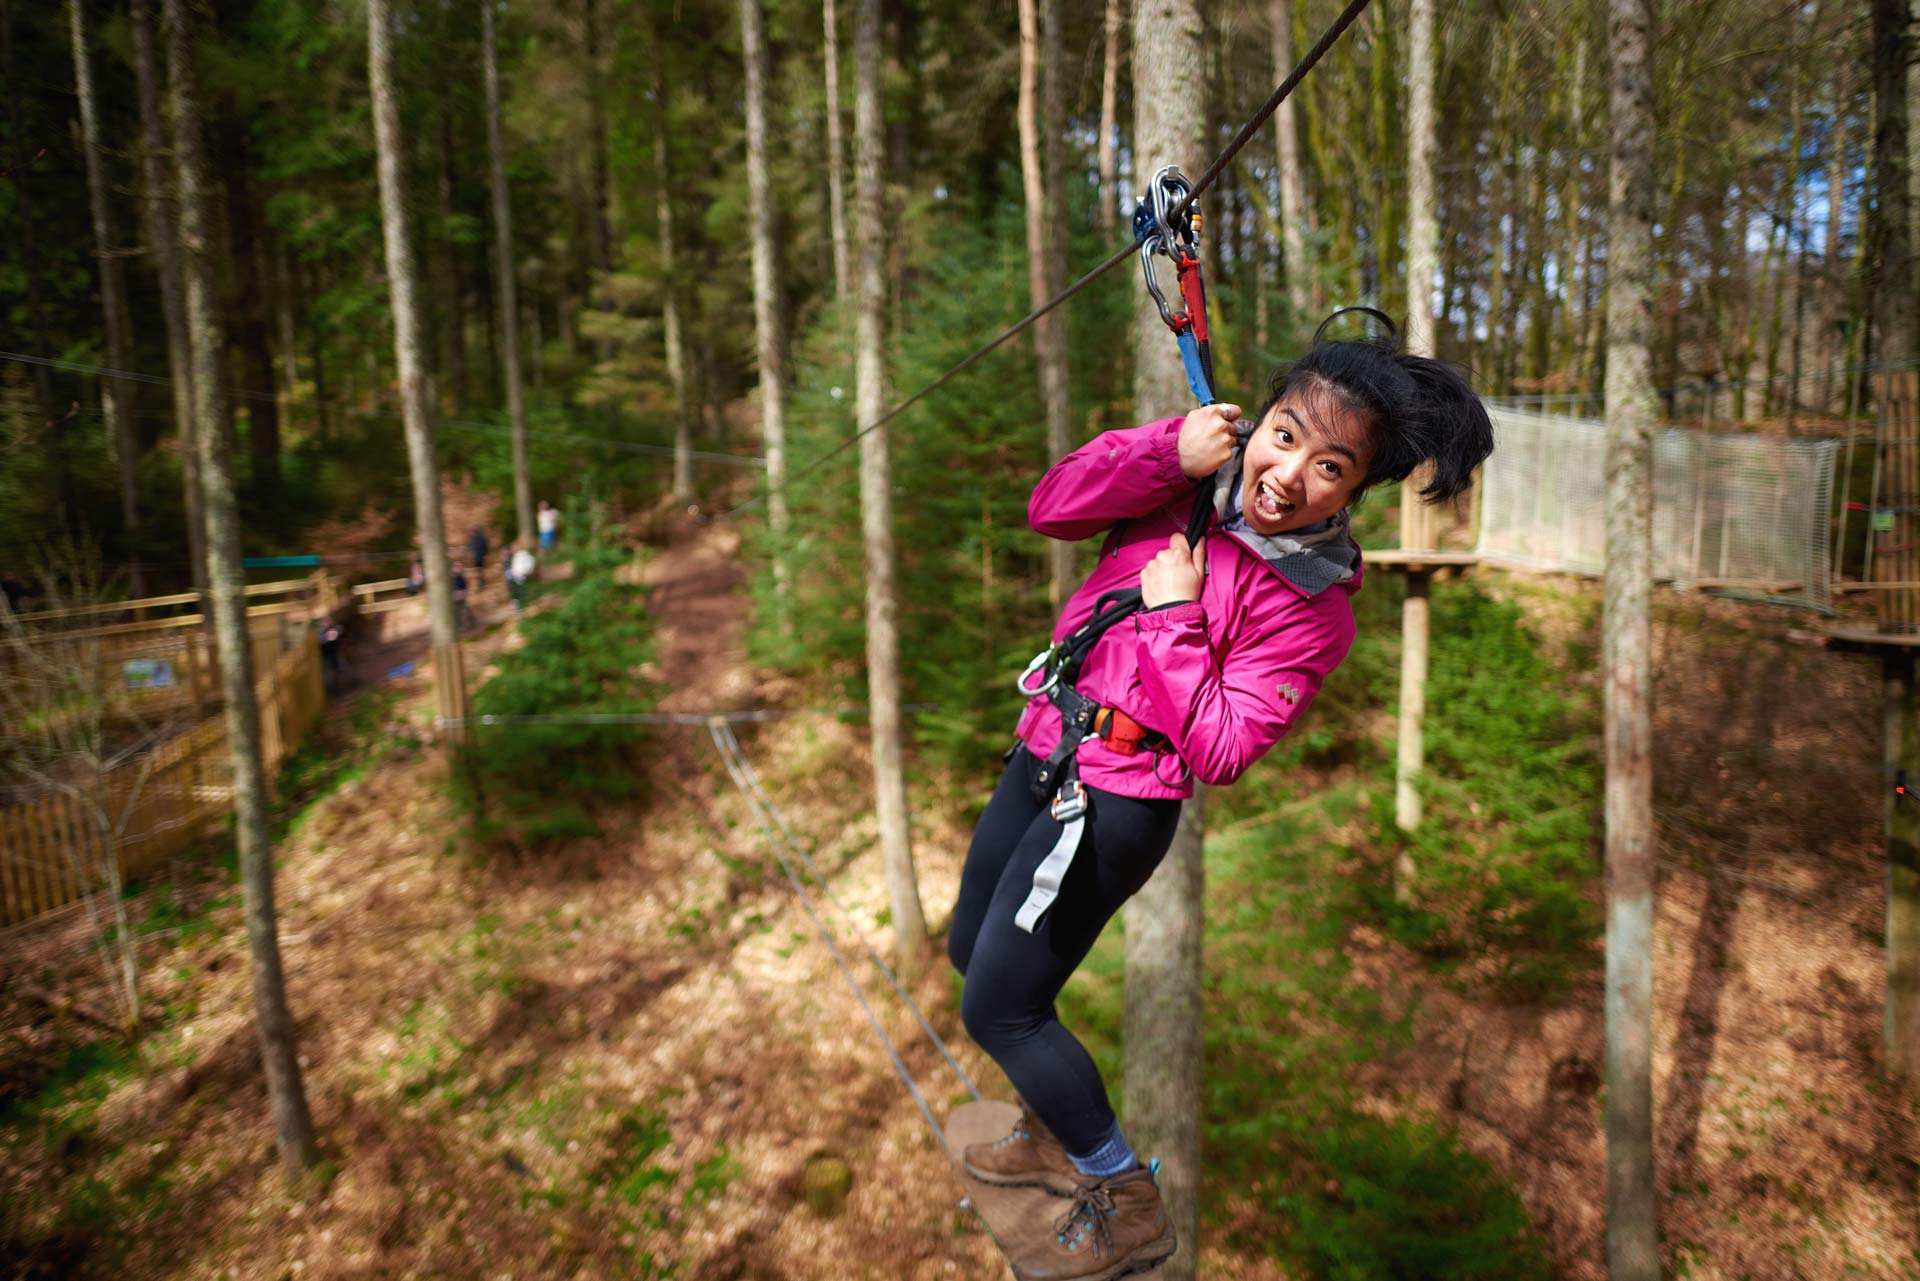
{"x":1632,"y":1230}
{"x":403,"y":282}
{"x":836,"y":151}
{"x":597,"y":128}
{"x":1293,"y":191}
{"x":453,"y":319}
{"x":158,"y":204}
{"x":115,"y":396}
{"x":18,"y":165}
{"x":1109,"y":121}
{"x":767,"y":327}
{"x":1895,"y":319}
{"x":669,"y":294}
{"x":1163,"y":922}
{"x":505,"y":290}
{"x":252,"y":325}
{"x":1416,"y":518}
{"x":1049,"y":340}
{"x":1834,"y":278}
{"x":293,"y":1124}
{"x":876,"y":493}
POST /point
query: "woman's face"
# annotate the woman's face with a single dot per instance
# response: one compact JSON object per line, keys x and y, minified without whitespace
{"x":1303,"y":462}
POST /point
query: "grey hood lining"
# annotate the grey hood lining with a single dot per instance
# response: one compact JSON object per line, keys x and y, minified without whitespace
{"x":1312,"y":559}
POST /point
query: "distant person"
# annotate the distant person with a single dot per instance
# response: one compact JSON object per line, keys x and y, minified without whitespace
{"x":463,"y":616}
{"x":477,"y":545}
{"x":548,"y":522}
{"x":416,"y":578}
{"x":333,"y":667}
{"x":521,"y":568}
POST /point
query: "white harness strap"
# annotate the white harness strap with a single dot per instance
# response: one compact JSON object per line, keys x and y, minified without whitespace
{"x":1070,"y":809}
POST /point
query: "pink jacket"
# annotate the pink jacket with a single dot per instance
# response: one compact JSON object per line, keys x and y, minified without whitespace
{"x":1223,"y":677}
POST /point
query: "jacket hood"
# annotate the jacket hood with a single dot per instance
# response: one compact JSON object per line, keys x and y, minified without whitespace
{"x":1312,"y":558}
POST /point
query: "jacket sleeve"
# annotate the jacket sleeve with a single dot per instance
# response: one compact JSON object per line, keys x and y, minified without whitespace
{"x":1118,"y":475}
{"x":1223,"y":715}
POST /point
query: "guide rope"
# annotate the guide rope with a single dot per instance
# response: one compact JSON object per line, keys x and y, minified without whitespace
{"x":720,"y":742}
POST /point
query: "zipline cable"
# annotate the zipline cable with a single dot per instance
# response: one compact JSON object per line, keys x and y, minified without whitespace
{"x":1346,"y":19}
{"x":806,"y":901}
{"x":794,"y":844}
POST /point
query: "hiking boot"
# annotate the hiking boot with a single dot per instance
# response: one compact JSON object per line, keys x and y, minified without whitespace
{"x":1029,"y":1157}
{"x":1115,"y":1226}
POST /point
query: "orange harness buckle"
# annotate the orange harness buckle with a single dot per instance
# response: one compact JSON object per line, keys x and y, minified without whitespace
{"x":1119,"y":731}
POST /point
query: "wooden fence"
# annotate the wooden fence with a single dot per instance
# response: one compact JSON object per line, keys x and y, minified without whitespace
{"x":53,"y":851}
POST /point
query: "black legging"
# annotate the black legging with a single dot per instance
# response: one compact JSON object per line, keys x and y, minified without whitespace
{"x":1012,"y":976}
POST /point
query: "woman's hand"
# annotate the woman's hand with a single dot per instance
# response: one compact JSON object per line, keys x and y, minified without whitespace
{"x":1207,"y":439}
{"x":1175,"y":574}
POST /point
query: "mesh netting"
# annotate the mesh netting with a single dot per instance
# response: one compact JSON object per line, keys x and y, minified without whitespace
{"x":1729,"y":510}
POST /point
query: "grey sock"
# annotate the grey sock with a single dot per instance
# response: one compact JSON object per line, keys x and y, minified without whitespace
{"x":1113,"y":1156}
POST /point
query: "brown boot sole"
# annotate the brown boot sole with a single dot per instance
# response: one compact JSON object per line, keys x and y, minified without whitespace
{"x":1144,"y":1258}
{"x":1060,"y":1185}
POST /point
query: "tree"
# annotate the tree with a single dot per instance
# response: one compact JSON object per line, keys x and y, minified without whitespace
{"x":114,"y":397}
{"x":1898,"y":331}
{"x":158,"y":204}
{"x":1040,"y":175}
{"x":669,"y":291}
{"x":1293,"y":197}
{"x":768,"y":330}
{"x":1416,"y":518}
{"x":403,"y":285}
{"x":1896,"y":307}
{"x":1632,"y":1229}
{"x":1109,"y":123}
{"x":1164,"y":920}
{"x":836,"y":151}
{"x":876,"y":490}
{"x":292,"y":1122}
{"x":509,"y":301}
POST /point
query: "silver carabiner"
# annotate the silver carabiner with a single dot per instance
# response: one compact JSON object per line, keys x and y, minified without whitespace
{"x":1039,"y":662}
{"x":1148,"y":247}
{"x":1170,"y":188}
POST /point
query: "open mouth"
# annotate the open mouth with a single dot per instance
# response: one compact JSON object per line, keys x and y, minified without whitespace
{"x":1268,"y":502}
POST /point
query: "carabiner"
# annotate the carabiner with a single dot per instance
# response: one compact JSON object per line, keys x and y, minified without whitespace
{"x":1153,"y":227}
{"x":1039,"y":662}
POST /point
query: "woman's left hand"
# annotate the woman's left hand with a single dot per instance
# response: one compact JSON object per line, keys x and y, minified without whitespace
{"x":1175,"y":574}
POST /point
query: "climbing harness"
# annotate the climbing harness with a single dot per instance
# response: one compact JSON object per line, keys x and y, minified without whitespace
{"x":1166,"y":223}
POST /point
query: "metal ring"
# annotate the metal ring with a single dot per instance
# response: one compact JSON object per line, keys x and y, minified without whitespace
{"x":1182,"y":781}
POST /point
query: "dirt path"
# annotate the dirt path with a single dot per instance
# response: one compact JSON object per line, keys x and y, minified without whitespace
{"x":624,"y":1054}
{"x":699,"y":604}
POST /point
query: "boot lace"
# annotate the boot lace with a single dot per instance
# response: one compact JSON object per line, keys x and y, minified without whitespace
{"x":1093,"y":1205}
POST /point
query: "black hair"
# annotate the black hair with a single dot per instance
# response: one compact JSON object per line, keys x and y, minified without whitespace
{"x":1415,"y":409}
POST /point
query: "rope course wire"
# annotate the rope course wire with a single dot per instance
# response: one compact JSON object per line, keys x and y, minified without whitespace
{"x":720,"y":742}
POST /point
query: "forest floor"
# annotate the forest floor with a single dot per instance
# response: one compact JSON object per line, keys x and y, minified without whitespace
{"x":634,"y":1058}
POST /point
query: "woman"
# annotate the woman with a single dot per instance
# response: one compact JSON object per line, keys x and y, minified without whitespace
{"x":1233,"y":638}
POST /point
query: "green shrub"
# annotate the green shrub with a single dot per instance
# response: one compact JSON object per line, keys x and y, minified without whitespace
{"x":522,"y":784}
{"x":1506,"y":849}
{"x":1399,"y":1201}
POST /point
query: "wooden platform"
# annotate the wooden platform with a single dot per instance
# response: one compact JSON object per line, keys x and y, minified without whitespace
{"x":1402,"y":558}
{"x":1015,"y":1217}
{"x":1859,"y":640}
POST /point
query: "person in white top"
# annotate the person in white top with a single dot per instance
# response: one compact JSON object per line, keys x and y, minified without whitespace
{"x":547,"y":519}
{"x":521,"y":568}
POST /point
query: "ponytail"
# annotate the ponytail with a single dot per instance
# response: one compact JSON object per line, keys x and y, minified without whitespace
{"x":1416,"y":409}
